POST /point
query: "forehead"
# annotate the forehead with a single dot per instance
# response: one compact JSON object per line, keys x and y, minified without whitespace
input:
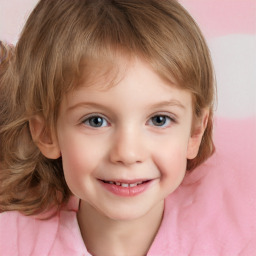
{"x":126,"y":80}
{"x":102,"y":71}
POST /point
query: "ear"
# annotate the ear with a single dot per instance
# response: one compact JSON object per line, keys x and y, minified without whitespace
{"x":197,"y":133}
{"x":44,"y":138}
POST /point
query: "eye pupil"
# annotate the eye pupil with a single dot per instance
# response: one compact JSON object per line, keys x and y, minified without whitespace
{"x":159,"y":120}
{"x":96,"y":121}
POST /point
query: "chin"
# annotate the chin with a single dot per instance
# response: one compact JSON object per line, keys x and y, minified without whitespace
{"x":127,"y":213}
{"x":124,"y":216}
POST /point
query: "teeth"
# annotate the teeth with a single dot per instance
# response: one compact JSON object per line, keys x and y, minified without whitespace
{"x":125,"y":185}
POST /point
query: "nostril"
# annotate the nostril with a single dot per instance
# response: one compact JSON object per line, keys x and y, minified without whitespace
{"x":128,"y":162}
{"x":127,"y":149}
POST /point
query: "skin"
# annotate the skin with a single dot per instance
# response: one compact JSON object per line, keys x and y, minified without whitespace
{"x":139,"y":129}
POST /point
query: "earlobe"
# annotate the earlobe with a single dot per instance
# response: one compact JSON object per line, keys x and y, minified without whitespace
{"x":197,"y":135}
{"x":43,"y":137}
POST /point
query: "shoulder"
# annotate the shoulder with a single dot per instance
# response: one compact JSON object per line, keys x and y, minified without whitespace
{"x":29,"y":235}
{"x":24,"y":235}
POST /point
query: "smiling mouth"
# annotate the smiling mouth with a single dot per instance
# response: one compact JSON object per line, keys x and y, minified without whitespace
{"x":124,"y":184}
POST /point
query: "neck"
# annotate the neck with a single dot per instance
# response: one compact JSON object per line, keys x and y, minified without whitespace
{"x":104,"y":236}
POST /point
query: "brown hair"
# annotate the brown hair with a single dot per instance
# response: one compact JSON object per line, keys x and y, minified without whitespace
{"x":46,"y":64}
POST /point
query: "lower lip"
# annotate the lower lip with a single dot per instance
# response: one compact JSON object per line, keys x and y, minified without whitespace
{"x":126,"y":191}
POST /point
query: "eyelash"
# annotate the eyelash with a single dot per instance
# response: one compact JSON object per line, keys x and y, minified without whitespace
{"x":87,"y":120}
{"x":170,"y":119}
{"x":106,"y":123}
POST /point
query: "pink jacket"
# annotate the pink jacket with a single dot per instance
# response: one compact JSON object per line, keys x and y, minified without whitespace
{"x":212,"y":213}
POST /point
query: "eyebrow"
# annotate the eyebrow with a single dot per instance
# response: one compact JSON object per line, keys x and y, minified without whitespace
{"x":86,"y":104}
{"x":172,"y":103}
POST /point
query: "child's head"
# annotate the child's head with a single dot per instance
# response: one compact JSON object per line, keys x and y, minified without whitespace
{"x":68,"y":44}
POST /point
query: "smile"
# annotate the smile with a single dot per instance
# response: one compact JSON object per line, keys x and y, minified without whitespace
{"x":125,"y":185}
{"x":126,"y":188}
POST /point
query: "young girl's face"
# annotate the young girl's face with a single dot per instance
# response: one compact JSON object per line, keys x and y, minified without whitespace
{"x":125,"y":147}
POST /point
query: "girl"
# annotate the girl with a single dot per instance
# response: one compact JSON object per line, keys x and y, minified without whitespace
{"x":105,"y":105}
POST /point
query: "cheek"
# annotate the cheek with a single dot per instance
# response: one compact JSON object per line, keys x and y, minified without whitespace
{"x":171,"y":162}
{"x":79,"y":161}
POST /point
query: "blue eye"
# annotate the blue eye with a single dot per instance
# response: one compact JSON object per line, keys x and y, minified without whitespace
{"x":96,"y":121}
{"x":160,"y":120}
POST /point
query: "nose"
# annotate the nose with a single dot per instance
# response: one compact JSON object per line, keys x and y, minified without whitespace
{"x":128,"y":147}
